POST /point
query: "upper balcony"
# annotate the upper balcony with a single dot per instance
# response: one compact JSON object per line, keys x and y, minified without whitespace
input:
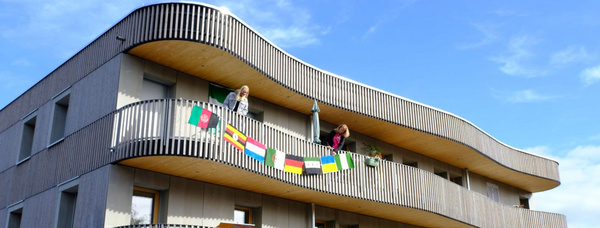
{"x":203,"y":42}
{"x":155,"y":135}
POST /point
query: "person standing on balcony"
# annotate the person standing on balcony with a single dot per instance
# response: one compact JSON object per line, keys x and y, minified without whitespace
{"x":336,"y":138}
{"x":237,"y":100}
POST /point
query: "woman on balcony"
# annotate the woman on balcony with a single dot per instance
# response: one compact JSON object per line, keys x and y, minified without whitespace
{"x":336,"y":138}
{"x":237,"y":101}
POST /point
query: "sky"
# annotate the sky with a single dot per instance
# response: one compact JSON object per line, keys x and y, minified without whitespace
{"x":525,"y":72}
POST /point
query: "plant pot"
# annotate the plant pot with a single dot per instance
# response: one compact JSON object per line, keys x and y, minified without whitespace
{"x":372,"y":161}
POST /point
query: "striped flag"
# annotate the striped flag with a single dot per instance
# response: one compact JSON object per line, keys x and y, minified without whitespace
{"x":235,"y":137}
{"x":293,"y":164}
{"x":344,"y":161}
{"x":275,"y":158}
{"x":203,"y":118}
{"x":328,"y":164}
{"x":312,"y":165}
{"x":255,"y":149}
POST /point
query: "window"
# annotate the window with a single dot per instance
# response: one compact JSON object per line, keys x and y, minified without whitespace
{"x":523,"y":202}
{"x":410,"y":163}
{"x":144,"y":206}
{"x":154,"y":89}
{"x":493,"y":193}
{"x":457,"y":179}
{"x":59,"y":117}
{"x":320,"y":224}
{"x":441,"y":173}
{"x":258,"y":116}
{"x":27,"y":136}
{"x":14,"y":216}
{"x":242,"y":215}
{"x":67,"y":204}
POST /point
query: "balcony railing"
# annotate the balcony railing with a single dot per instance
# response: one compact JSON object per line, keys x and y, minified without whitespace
{"x":160,"y":127}
{"x":163,"y":226}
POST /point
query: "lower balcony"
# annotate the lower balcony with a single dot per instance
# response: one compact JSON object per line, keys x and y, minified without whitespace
{"x":155,"y":135}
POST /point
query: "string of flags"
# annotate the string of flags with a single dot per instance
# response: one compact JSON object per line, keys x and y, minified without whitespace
{"x":277,"y":159}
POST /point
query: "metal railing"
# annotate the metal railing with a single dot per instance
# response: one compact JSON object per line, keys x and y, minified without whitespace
{"x":160,"y":127}
{"x":163,"y":226}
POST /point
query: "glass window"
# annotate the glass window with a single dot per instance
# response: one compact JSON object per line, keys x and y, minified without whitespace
{"x":67,"y":206}
{"x":27,"y":136}
{"x":144,"y":206}
{"x":320,"y":224}
{"x":59,"y":118}
{"x":410,"y":163}
{"x":441,"y":173}
{"x":242,"y":215}
{"x":153,"y":89}
{"x":493,"y":193}
{"x":14,"y":217}
{"x":457,"y":179}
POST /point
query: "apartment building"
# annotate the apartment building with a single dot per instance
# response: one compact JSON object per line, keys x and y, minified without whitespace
{"x":105,"y":140}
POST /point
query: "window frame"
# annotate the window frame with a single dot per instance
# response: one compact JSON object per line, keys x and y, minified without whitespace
{"x":155,"y":201}
{"x":58,"y":102}
{"x":493,"y":192}
{"x":26,"y":151}
{"x":249,"y":213}
{"x":14,"y":209}
{"x":68,"y":191}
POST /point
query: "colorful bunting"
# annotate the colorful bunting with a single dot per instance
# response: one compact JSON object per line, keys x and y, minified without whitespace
{"x":312,"y":165}
{"x":275,"y":158}
{"x":235,"y":137}
{"x":328,"y":164}
{"x":293,"y":164}
{"x":344,"y":161}
{"x":255,"y":149}
{"x":203,"y":118}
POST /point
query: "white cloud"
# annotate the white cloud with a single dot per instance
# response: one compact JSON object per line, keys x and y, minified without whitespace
{"x":590,"y":75}
{"x":571,"y":54}
{"x":594,"y":138}
{"x":293,"y":26}
{"x":291,"y":37}
{"x":577,"y":196}
{"x":388,"y":14}
{"x":518,"y":55}
{"x":525,"y":96}
{"x":22,"y":62}
{"x":489,"y":36}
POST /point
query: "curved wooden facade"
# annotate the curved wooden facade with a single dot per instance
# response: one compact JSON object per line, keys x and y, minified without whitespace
{"x":203,"y":42}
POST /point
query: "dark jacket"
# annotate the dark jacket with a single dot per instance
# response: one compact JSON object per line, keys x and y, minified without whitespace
{"x":329,"y":141}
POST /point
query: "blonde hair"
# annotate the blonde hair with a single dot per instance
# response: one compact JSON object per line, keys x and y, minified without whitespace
{"x":237,"y":95}
{"x":345,"y":127}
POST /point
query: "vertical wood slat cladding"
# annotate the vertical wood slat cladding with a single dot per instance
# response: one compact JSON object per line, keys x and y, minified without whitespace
{"x":160,"y":127}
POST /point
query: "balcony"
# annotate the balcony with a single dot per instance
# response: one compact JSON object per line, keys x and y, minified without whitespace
{"x":155,"y":135}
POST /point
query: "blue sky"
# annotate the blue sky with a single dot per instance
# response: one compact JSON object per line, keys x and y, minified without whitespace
{"x":526,"y":72}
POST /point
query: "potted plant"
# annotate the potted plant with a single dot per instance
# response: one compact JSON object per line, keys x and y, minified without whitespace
{"x":375,"y":153}
{"x":372,"y":150}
